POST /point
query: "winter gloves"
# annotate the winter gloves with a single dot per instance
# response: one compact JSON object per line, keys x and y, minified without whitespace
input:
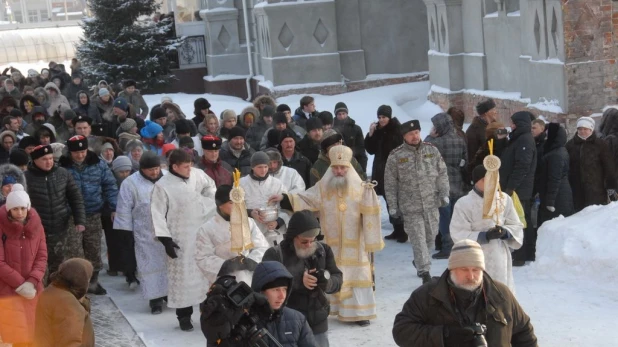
{"x":236,"y":264}
{"x":457,"y":336}
{"x":495,"y":233}
{"x":26,"y":290}
{"x":551,"y":208}
{"x":170,"y":246}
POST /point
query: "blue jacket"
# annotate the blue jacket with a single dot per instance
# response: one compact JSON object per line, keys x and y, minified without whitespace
{"x":95,"y":180}
{"x":288,"y":326}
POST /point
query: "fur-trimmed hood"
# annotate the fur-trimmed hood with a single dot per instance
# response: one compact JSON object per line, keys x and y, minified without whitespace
{"x":12,"y":170}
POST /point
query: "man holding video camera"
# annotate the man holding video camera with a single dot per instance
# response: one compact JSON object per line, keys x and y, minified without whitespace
{"x":236,"y":315}
{"x":315,"y":272}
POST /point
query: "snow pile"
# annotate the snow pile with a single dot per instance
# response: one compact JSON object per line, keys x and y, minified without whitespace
{"x":580,"y":246}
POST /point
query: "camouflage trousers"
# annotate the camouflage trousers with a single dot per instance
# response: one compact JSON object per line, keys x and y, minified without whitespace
{"x":422,"y":229}
{"x":86,"y":244}
{"x":56,"y":252}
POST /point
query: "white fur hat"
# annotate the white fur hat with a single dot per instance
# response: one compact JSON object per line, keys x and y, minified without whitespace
{"x":17,"y":198}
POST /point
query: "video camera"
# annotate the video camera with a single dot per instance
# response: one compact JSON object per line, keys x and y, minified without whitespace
{"x":232,"y":311}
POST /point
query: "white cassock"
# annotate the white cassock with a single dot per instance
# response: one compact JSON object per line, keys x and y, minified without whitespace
{"x":468,"y":223}
{"x":179,"y":207}
{"x":214,"y":244}
{"x":291,"y":180}
{"x":133,"y":214}
{"x":257,"y":194}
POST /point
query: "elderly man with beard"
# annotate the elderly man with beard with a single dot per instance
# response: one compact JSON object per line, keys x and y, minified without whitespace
{"x":463,"y":307}
{"x":312,"y":264}
{"x":344,"y":209}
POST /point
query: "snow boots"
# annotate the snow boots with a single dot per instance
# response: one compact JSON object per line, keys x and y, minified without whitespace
{"x":398,"y":234}
{"x":94,"y":287}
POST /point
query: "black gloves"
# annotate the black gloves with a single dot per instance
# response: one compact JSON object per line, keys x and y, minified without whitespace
{"x":495,"y":233}
{"x":170,"y":246}
{"x":456,"y":336}
{"x":236,"y":264}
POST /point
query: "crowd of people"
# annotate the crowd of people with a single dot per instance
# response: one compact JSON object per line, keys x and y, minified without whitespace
{"x":78,"y":162}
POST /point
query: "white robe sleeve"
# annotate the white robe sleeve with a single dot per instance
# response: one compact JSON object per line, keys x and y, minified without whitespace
{"x":158,"y":208}
{"x":513,"y":224}
{"x":260,"y":245}
{"x":297,"y":184}
{"x":461,"y":222}
{"x":205,"y":257}
{"x":124,"y":207}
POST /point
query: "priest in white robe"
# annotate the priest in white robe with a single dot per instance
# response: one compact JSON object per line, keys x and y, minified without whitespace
{"x":289,"y":177}
{"x":349,"y":214}
{"x":498,"y":237}
{"x":214,"y":244}
{"x":181,"y":202}
{"x":133,"y":215}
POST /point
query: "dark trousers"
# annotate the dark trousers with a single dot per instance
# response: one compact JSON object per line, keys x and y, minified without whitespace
{"x":114,"y":242}
{"x":184,"y":312}
{"x":528,"y":249}
{"x":129,"y":263}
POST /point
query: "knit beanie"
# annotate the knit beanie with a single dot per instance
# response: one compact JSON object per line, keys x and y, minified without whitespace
{"x":18,"y":157}
{"x":69,"y":115}
{"x":16,"y":113}
{"x":466,"y":253}
{"x":341,"y":107}
{"x":128,"y":124}
{"x":222,"y":195}
{"x":186,"y":141}
{"x":303,"y":223}
{"x":485,"y":106}
{"x":157,"y":113}
{"x":103,"y":92}
{"x":330,"y":137}
{"x":268,"y":111}
{"x":313,"y":123}
{"x":586,"y":122}
{"x":478,"y":173}
{"x":259,"y":158}
{"x":8,"y":179}
{"x":326,"y":117}
{"x":385,"y":111}
{"x":283,"y":107}
{"x":121,"y":163}
{"x":151,"y":130}
{"x":17,"y":198}
{"x":237,"y":131}
{"x":280,"y":118}
{"x":285,"y":133}
{"x":182,"y":126}
{"x":149,"y":160}
{"x":227,"y":115}
{"x":122,"y":104}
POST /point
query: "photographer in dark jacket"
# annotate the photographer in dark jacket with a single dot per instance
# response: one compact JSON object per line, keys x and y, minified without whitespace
{"x":52,"y":191}
{"x":517,"y":175}
{"x":312,"y":264}
{"x":463,"y":308}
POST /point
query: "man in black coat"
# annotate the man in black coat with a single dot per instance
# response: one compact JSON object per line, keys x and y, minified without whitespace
{"x":312,"y":264}
{"x":236,"y":152}
{"x":447,"y":312}
{"x":293,"y":158}
{"x":382,"y":138}
{"x":475,"y":135}
{"x":539,"y":134}
{"x":352,"y":134}
{"x":309,"y":146}
{"x":591,"y":168}
{"x":52,"y":191}
{"x":517,"y":175}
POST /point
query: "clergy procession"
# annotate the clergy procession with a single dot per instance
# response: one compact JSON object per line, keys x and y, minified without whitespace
{"x":268,"y":224}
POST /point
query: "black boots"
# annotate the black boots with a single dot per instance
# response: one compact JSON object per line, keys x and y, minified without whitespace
{"x":362,"y":323}
{"x":426,"y":277}
{"x":156,"y":306}
{"x":398,"y":234}
{"x":185,"y":324}
{"x":94,"y":287}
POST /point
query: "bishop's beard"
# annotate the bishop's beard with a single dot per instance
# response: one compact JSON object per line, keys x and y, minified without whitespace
{"x":338,"y":183}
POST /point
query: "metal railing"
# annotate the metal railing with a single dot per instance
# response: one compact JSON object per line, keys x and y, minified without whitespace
{"x":192,"y":53}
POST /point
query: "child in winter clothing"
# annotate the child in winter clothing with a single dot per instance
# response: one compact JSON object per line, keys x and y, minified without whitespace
{"x":152,"y":137}
{"x":23,"y":260}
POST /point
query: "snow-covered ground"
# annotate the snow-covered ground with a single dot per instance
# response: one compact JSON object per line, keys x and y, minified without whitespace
{"x":568,"y":292}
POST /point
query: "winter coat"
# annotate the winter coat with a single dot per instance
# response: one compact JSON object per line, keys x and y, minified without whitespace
{"x":475,"y":136}
{"x":591,"y":171}
{"x":309,"y":148}
{"x":11,"y":170}
{"x":429,"y":309}
{"x":255,"y":133}
{"x":90,"y":109}
{"x":483,"y":151}
{"x":519,"y":159}
{"x":313,"y":304}
{"x":301,"y":119}
{"x":415,"y":179}
{"x":553,"y":174}
{"x":41,"y":93}
{"x":540,"y":151}
{"x":56,"y":197}
{"x":353,"y":138}
{"x":287,"y":326}
{"x":23,"y":258}
{"x":4,"y":154}
{"x":15,"y":93}
{"x":63,"y":320}
{"x":137,"y":100}
{"x":214,"y":241}
{"x":71,"y":91}
{"x":55,"y":101}
{"x":96,"y":181}
{"x":301,"y":164}
{"x":322,"y":165}
{"x":380,"y":145}
{"x":242,"y":163}
{"x":220,"y":172}
{"x":291,"y":180}
{"x":610,"y":126}
{"x":453,"y":150}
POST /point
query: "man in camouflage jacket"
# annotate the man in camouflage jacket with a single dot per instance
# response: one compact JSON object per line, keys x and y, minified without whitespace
{"x":415,"y":186}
